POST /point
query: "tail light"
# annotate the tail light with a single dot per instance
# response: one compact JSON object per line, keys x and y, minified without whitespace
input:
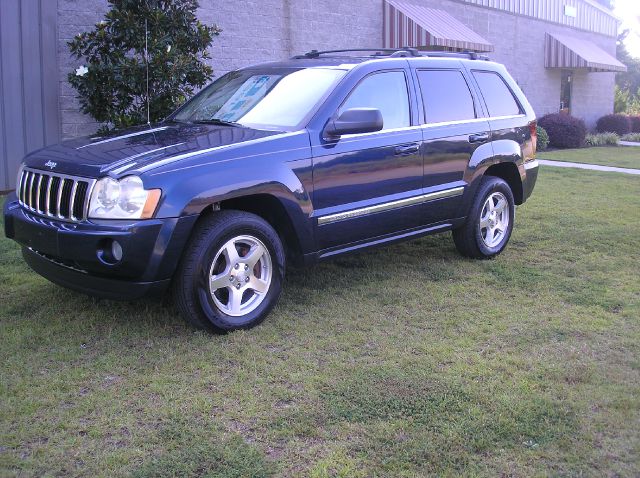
{"x":534,"y":135}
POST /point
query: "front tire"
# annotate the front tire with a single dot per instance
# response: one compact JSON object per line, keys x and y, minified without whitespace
{"x":489,"y":223}
{"x":231,"y":273}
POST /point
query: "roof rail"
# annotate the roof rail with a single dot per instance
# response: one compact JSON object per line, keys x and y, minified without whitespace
{"x":471,"y":55}
{"x":406,"y":51}
{"x":395,"y":53}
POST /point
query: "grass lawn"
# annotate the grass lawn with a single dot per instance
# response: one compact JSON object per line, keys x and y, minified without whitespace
{"x":619,"y":156}
{"x":405,"y":361}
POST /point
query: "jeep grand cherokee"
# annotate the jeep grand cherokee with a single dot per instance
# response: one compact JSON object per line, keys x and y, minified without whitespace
{"x":301,"y":160}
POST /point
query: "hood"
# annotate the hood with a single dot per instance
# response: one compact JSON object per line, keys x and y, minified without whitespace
{"x":137,"y":147}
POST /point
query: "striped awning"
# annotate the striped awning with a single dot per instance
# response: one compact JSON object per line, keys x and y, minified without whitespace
{"x":562,"y":51}
{"x":410,"y":24}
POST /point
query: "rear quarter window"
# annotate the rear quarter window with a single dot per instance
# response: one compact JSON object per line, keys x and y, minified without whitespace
{"x":446,"y":96}
{"x":497,"y":95}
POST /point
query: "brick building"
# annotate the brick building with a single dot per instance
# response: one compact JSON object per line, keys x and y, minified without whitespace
{"x":561,"y":52}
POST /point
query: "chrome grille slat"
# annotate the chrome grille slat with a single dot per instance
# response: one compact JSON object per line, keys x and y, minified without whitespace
{"x":59,"y":201}
{"x":48,"y":198}
{"x":74,"y":188}
{"x":29,"y":195}
{"x":37,"y":205}
{"x":22,"y":187}
{"x":55,"y":195}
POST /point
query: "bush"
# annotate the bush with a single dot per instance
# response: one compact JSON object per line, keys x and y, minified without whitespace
{"x":112,"y":80}
{"x":564,"y":131}
{"x":634,"y":137}
{"x":602,"y":139}
{"x":635,"y":124}
{"x":543,"y":138}
{"x":615,"y":123}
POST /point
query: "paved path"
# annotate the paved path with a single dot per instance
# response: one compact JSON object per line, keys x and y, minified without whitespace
{"x":628,"y":143}
{"x":593,"y":167}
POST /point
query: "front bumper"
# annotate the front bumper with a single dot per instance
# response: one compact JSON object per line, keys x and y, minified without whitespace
{"x":71,"y":254}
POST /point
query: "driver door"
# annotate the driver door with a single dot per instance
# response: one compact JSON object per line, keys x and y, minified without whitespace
{"x":368,"y":185}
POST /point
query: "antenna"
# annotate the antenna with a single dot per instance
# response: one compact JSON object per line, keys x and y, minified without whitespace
{"x":146,"y":59}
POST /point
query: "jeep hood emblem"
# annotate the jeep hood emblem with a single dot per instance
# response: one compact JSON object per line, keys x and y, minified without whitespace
{"x":51,"y":164}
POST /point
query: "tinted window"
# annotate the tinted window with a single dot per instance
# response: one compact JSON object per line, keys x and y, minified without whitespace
{"x":497,"y":94}
{"x":386,"y":92}
{"x":446,"y":96}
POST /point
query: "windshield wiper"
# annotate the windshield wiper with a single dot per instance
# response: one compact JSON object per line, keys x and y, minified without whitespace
{"x":219,"y":121}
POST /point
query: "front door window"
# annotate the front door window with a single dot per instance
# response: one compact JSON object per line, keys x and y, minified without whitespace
{"x":565,"y":91}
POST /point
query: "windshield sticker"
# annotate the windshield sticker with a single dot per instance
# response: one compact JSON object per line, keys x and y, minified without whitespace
{"x":246,"y":97}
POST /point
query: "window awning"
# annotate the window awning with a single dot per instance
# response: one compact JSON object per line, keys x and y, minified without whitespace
{"x":408,"y":24}
{"x":562,"y":51}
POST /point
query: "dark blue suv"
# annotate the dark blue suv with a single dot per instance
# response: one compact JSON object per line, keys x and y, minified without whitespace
{"x":301,"y":160}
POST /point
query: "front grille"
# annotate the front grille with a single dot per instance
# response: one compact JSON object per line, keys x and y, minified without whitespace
{"x":55,"y":195}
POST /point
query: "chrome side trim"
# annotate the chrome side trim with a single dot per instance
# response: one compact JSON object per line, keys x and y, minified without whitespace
{"x":473,"y":120}
{"x":365,"y":211}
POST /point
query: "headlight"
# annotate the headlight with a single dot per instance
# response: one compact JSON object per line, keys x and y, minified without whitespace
{"x":122,"y":199}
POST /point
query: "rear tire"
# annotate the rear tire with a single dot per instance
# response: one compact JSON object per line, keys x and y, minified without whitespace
{"x":231,"y":273}
{"x":489,"y":223}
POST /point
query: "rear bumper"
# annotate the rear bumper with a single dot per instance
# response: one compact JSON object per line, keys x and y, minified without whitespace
{"x":72,"y":254}
{"x":530,"y":178}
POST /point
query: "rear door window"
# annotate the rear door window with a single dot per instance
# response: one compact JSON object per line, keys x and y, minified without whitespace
{"x":387,"y":92}
{"x":497,"y":95}
{"x":446,"y":96}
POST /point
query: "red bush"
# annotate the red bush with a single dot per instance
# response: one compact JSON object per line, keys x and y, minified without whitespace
{"x":635,"y":124}
{"x":617,"y":123}
{"x":564,"y":131}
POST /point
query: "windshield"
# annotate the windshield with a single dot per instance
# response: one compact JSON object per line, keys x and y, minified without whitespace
{"x":268,"y":99}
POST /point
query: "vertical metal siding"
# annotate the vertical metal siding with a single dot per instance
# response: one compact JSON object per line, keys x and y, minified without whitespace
{"x":28,"y":82}
{"x":589,"y":17}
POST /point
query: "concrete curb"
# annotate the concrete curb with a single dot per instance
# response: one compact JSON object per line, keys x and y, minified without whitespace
{"x":592,"y":167}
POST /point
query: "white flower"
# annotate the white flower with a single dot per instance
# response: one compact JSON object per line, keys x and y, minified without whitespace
{"x":168,"y":48}
{"x":82,"y":70}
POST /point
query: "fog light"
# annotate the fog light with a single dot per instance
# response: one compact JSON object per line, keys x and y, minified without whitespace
{"x":109,"y":251}
{"x":116,"y":251}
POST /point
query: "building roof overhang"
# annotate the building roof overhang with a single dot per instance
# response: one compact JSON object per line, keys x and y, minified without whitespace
{"x":563,"y":51}
{"x":410,"y":24}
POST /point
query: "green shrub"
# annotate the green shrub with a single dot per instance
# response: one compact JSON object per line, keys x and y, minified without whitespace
{"x":564,"y":131}
{"x":614,"y":123}
{"x":635,"y":137}
{"x":543,"y":138}
{"x":602,"y":139}
{"x":116,"y":55}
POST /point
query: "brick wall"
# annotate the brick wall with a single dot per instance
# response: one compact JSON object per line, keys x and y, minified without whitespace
{"x":265,"y":30}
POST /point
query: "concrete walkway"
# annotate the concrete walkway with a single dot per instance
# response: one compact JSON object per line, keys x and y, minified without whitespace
{"x":628,"y":143}
{"x":593,"y":167}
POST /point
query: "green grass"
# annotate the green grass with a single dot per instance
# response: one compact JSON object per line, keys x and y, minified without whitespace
{"x":404,"y":361}
{"x":619,"y":156}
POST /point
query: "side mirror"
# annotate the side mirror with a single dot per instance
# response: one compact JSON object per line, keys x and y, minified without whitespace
{"x":354,"y":121}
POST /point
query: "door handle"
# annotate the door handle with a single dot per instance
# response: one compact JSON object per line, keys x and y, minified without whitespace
{"x":479,"y":138}
{"x":407,"y":149}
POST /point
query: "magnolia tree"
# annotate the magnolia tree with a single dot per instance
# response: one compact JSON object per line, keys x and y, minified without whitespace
{"x":154,"y":47}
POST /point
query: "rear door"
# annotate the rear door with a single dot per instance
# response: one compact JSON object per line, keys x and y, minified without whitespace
{"x":368,"y":185}
{"x":453,"y":127}
{"x":506,"y":115}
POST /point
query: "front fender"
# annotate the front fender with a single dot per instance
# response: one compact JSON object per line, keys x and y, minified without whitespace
{"x":284,"y":171}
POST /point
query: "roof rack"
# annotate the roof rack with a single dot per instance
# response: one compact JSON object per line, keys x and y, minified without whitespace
{"x":395,"y":53}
